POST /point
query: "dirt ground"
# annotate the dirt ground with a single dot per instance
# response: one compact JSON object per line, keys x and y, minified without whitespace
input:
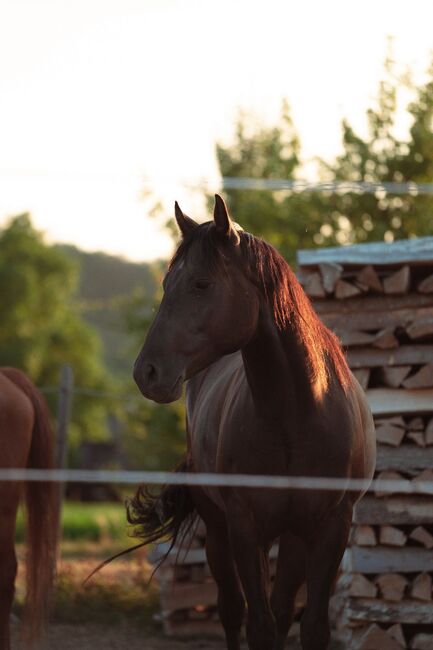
{"x":97,"y":637}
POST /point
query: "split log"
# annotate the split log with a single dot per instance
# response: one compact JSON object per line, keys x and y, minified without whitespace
{"x":429,"y":433}
{"x":183,"y":595}
{"x":426,"y":285}
{"x":389,"y":435}
{"x":411,"y":510}
{"x":407,"y":611}
{"x":385,"y":340}
{"x":396,"y":632}
{"x":313,"y":286}
{"x":392,"y":586}
{"x":422,"y":642}
{"x":344,"y":290}
{"x":421,"y":379}
{"x":364,"y":536}
{"x":417,"y":437}
{"x":392,"y":376}
{"x":391,"y":536}
{"x":420,"y":329}
{"x":369,"y":278}
{"x":421,"y":535}
{"x":421,"y":588}
{"x":416,"y":424}
{"x":397,"y":283}
{"x":373,"y":638}
{"x":361,"y":587}
{"x":363,"y":376}
{"x":425,"y":475}
{"x":331,"y":273}
{"x":395,"y":421}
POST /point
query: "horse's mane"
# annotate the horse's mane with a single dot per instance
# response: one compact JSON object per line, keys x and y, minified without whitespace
{"x":282,"y":291}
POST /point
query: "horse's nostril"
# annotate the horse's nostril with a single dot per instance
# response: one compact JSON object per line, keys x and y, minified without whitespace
{"x":151,"y":372}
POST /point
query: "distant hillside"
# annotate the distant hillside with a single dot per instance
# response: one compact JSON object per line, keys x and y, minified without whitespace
{"x":106,"y":282}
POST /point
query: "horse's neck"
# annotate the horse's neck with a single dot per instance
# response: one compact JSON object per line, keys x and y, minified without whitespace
{"x":277,"y":371}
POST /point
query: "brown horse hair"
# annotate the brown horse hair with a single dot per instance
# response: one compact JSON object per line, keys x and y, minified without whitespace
{"x":42,"y":514}
{"x":289,"y":304}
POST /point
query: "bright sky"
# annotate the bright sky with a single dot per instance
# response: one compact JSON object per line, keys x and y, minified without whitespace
{"x":95,"y":95}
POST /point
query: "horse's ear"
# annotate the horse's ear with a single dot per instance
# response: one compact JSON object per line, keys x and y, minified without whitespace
{"x":223,"y":223}
{"x":185,"y":223}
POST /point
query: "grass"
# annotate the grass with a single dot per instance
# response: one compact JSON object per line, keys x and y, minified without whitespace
{"x":93,"y":522}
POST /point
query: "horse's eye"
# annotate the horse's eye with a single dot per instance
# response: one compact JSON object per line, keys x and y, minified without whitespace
{"x":201,"y":285}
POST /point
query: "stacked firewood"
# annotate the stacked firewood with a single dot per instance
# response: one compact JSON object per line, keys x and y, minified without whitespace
{"x":188,"y":593}
{"x":378,"y":298}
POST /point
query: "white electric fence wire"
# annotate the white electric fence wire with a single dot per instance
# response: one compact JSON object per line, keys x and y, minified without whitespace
{"x":388,"y":486}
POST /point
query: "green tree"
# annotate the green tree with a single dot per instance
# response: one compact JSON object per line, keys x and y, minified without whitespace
{"x":382,"y":157}
{"x":272,"y":152}
{"x":40,"y":329}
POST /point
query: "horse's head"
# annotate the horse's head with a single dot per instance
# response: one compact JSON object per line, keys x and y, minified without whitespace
{"x":209,"y":308}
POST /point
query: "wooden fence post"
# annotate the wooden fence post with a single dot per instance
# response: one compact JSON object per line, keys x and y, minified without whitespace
{"x":64,"y":406}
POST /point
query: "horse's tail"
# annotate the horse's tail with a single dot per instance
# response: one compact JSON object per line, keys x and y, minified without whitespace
{"x":168,"y":515}
{"x":42,"y":513}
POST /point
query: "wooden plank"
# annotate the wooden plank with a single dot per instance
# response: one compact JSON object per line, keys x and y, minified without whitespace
{"x":414,"y":306}
{"x":353,"y":338}
{"x":414,"y":251}
{"x":404,"y":458}
{"x":407,"y":611}
{"x":362,"y":559}
{"x":404,"y":355}
{"x":387,"y":401}
{"x":411,"y":510}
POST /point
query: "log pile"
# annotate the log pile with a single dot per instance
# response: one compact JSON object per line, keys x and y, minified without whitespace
{"x":378,"y":298}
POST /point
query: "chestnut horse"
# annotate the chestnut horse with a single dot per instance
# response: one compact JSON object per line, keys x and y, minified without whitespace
{"x":26,"y":441}
{"x":268,"y":392}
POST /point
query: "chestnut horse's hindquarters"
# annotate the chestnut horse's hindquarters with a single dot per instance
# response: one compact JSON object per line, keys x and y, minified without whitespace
{"x":42,"y":514}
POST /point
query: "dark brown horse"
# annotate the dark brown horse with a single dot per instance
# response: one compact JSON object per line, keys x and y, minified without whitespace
{"x":268,"y":392}
{"x":26,"y":441}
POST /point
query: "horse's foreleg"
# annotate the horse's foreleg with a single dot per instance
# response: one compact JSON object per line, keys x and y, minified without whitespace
{"x":324,"y":556}
{"x":253,"y":568}
{"x":290,"y":575}
{"x":231,"y":604}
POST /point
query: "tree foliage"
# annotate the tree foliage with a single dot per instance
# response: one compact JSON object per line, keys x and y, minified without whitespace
{"x":40,"y":329}
{"x":293,"y":220}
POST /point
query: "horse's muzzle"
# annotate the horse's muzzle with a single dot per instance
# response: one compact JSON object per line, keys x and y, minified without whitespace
{"x":155,"y":384}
